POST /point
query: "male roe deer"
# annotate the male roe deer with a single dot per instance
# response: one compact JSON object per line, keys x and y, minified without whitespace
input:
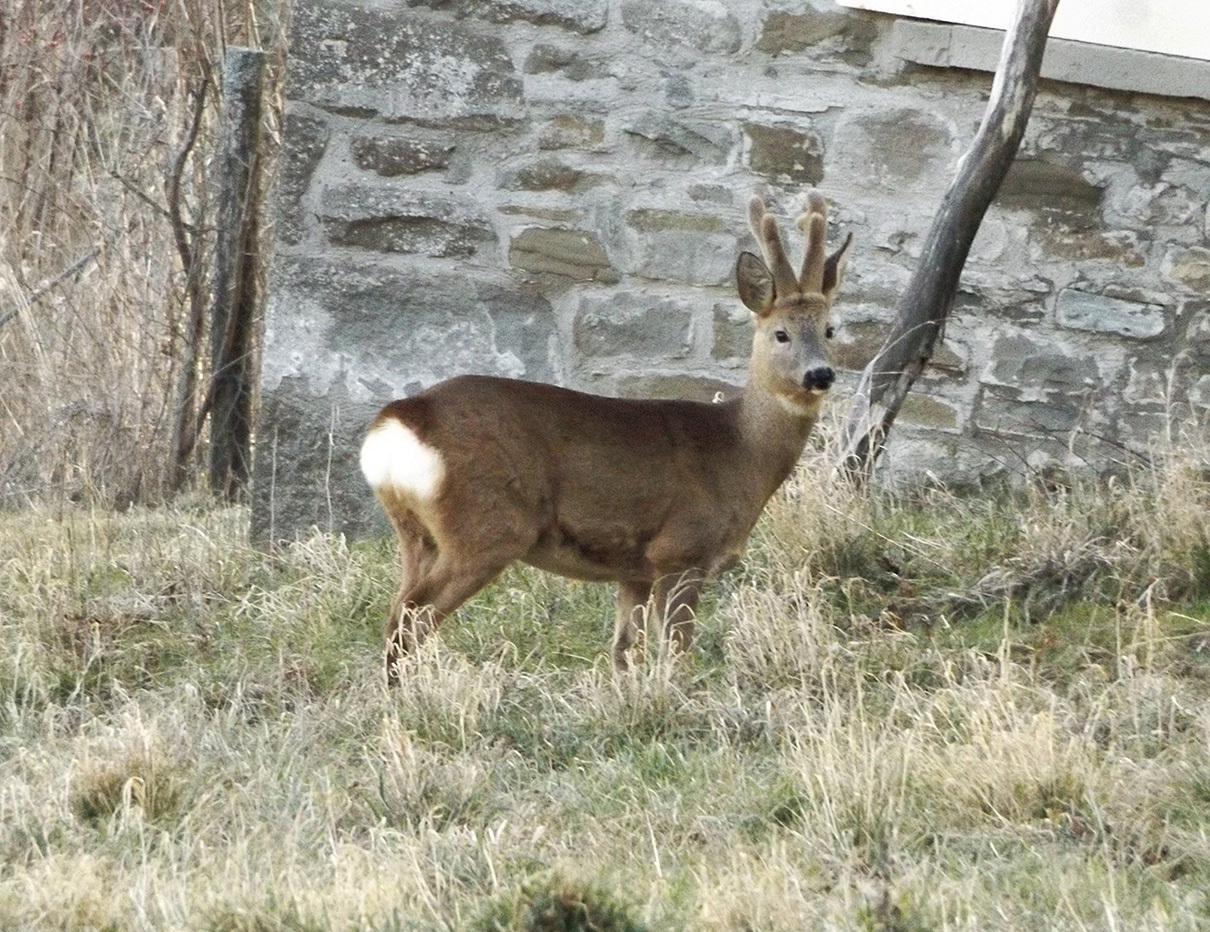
{"x":657,"y":496}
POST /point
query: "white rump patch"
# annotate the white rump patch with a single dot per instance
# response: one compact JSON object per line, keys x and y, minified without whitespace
{"x":394,"y":456}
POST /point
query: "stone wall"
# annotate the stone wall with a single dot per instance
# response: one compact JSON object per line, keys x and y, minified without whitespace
{"x":556,"y":190}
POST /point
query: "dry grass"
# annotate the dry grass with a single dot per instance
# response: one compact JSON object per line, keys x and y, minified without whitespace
{"x":95,"y":116}
{"x":193,"y":734}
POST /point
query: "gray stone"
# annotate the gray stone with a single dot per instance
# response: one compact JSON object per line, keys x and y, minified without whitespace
{"x":677,"y":138}
{"x":684,"y":386}
{"x":698,"y":24}
{"x":572,"y":132}
{"x":582,"y":16}
{"x":785,"y":152}
{"x":574,"y":255}
{"x":957,"y":46}
{"x":1021,"y":362}
{"x":924,"y":411}
{"x":547,"y":59}
{"x":856,"y":344}
{"x":355,"y":60}
{"x":390,"y":156}
{"x":1005,"y":414}
{"x":304,"y":141}
{"x":792,"y":32}
{"x":1190,"y":267}
{"x":1199,"y":392}
{"x":732,"y":332}
{"x":548,"y":175}
{"x":694,"y":249}
{"x":398,"y":220}
{"x":306,"y":473}
{"x":1060,"y":240}
{"x":892,"y":149}
{"x":648,"y":220}
{"x":379,"y":330}
{"x":1083,"y":311}
{"x":633,"y":324}
{"x":1021,"y":301}
{"x":1036,"y":182}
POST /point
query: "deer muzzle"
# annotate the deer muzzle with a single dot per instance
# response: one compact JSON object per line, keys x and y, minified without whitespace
{"x":819,"y":379}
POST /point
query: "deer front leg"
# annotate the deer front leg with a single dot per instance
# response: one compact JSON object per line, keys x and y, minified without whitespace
{"x":631,"y":617}
{"x":675,"y":597}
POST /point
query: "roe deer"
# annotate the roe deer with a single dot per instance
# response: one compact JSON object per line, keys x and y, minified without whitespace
{"x":657,"y":496}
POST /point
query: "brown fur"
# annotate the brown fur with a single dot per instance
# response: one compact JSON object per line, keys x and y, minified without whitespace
{"x":657,"y":496}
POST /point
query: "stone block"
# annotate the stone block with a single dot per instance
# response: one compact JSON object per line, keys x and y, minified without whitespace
{"x":549,"y":175}
{"x":694,"y":249}
{"x":357,"y":60}
{"x":581,"y":16}
{"x":680,"y":139}
{"x":1199,"y":392}
{"x":856,"y":343}
{"x":1005,"y":414}
{"x":929,"y":413}
{"x":704,"y":25}
{"x":785,"y":152}
{"x":733,"y":331}
{"x":651,"y":220}
{"x":572,"y":132}
{"x":684,"y":386}
{"x":633,"y":324}
{"x":554,"y":252}
{"x":950,"y":359}
{"x":1197,"y":332}
{"x":390,"y":156}
{"x":306,"y":473}
{"x":890,"y":150}
{"x":1017,"y":300}
{"x":1039,"y":184}
{"x":1082,"y":310}
{"x":783,"y":32}
{"x":550,"y":59}
{"x":304,"y":141}
{"x":396,"y":220}
{"x":1058,"y":240}
{"x":1022,"y":363}
{"x":1190,"y":267}
{"x":373,"y":332}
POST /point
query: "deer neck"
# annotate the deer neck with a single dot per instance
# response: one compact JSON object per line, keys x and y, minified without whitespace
{"x":774,"y":430}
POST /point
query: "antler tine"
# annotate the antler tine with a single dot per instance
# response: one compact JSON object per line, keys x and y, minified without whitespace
{"x":814,"y":226}
{"x":764,"y":227}
{"x":756,"y":213}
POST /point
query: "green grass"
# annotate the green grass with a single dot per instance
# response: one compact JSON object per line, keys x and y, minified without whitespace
{"x":902,"y":714}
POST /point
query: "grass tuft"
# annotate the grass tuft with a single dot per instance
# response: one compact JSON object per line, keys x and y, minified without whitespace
{"x":550,"y":904}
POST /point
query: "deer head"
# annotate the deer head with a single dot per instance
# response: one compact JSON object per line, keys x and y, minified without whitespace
{"x":790,"y":358}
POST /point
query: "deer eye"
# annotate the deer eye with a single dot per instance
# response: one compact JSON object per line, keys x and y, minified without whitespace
{"x":782,"y":336}
{"x":830,"y":332}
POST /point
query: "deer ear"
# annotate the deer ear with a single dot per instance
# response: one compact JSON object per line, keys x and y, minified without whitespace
{"x":755,"y":283}
{"x":833,"y":269}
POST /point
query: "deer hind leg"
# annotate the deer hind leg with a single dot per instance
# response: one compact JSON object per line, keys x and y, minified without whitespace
{"x":675,"y":597}
{"x":631,"y":621}
{"x":447,"y":577}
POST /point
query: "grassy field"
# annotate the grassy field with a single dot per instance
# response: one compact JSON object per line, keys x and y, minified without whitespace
{"x":937,"y":713}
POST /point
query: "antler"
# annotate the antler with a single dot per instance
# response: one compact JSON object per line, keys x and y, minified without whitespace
{"x":764,"y":228}
{"x":814,"y":226}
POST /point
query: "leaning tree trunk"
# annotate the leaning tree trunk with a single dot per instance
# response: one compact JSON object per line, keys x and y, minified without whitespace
{"x":922,"y":310}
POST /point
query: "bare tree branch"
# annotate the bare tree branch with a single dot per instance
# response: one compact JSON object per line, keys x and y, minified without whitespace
{"x":47,"y":287}
{"x":924,"y":307}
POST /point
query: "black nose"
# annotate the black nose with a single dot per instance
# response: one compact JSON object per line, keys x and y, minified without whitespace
{"x":819,"y":379}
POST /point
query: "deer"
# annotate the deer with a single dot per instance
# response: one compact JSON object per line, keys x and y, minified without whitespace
{"x":658,"y":496}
